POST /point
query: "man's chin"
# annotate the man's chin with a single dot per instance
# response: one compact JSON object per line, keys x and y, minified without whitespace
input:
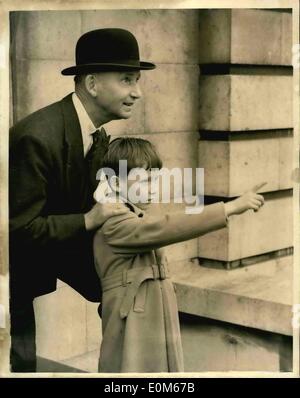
{"x":121,"y":116}
{"x":126,"y":115}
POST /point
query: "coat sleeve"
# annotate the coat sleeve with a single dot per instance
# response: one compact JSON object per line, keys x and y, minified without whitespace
{"x":30,"y":173}
{"x":131,"y":234}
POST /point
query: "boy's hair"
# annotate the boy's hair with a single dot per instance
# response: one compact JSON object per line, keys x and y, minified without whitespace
{"x":136,"y":151}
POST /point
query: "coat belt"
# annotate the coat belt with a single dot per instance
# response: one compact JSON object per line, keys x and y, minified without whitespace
{"x":132,"y":280}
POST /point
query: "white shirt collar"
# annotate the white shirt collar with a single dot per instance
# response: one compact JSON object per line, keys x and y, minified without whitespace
{"x":86,"y":124}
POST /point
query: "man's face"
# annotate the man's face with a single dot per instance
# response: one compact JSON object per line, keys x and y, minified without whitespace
{"x":117,"y":93}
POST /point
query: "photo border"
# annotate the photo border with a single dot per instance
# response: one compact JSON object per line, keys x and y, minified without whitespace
{"x":5,"y":111}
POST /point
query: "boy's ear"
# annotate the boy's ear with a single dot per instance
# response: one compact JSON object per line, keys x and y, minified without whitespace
{"x":114,"y":183}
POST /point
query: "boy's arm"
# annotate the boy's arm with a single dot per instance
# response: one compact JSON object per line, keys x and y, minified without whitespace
{"x":131,"y":234}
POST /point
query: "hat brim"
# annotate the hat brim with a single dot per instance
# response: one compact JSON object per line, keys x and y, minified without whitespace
{"x":105,"y":67}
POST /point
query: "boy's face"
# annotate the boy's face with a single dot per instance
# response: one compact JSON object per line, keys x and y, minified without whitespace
{"x":117,"y":93}
{"x":142,"y":187}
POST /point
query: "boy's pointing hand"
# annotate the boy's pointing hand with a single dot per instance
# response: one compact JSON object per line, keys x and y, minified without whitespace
{"x":249,"y":200}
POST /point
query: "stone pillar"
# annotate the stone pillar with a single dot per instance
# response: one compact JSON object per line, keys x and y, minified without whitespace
{"x":240,"y":319}
{"x":245,"y":119}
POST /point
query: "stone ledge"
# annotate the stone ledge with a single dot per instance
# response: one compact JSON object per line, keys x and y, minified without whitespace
{"x":259,"y":296}
{"x":243,"y":262}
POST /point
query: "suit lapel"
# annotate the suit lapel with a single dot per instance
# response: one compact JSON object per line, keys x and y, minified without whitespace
{"x":75,"y":166}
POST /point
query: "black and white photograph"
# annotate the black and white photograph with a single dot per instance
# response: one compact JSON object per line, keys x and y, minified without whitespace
{"x":149,"y":219}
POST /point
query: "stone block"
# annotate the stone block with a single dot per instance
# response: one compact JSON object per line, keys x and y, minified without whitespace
{"x":287,"y":39}
{"x":93,"y":327}
{"x":260,"y":37}
{"x":39,"y":83}
{"x":251,"y":234}
{"x":210,"y":346}
{"x":46,"y":34}
{"x":212,"y":158}
{"x":240,"y":102}
{"x":176,"y":149}
{"x":259,"y":296}
{"x":87,"y":362}
{"x":181,"y":251}
{"x":164,"y":36}
{"x":286,"y":151}
{"x":61,"y":324}
{"x":214,"y":36}
{"x":214,"y":102}
{"x":171,"y":98}
{"x":240,"y":36}
{"x":256,"y":158}
{"x":172,"y":36}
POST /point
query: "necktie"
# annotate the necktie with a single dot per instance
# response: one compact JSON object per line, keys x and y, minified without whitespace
{"x":95,"y":155}
{"x":97,"y":137}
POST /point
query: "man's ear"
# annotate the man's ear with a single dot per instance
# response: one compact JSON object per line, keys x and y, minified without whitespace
{"x":90,"y":83}
{"x":114,"y":183}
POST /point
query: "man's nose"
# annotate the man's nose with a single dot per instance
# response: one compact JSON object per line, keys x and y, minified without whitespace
{"x":136,"y":92}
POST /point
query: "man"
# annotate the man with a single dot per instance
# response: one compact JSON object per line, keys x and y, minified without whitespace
{"x":54,"y":156}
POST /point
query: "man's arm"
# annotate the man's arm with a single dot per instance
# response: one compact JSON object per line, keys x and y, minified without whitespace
{"x":31,"y":174}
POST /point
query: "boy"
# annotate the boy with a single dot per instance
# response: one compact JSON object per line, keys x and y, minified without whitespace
{"x":139,"y":311}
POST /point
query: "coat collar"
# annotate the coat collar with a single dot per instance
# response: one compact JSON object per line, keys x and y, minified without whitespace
{"x":72,"y":126}
{"x":134,"y":208}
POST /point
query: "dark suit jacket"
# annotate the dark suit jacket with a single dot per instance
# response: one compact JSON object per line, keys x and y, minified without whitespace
{"x":48,"y":178}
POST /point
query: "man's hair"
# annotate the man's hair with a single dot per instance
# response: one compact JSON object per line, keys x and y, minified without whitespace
{"x":138,"y":153}
{"x":78,"y":78}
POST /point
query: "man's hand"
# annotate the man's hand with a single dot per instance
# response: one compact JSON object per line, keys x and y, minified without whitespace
{"x":250,"y":200}
{"x":101,"y":212}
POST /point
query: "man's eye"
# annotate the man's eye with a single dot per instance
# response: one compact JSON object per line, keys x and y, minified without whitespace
{"x":127,"y":80}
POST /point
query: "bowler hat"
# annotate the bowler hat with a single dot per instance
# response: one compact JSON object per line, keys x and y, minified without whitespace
{"x":106,"y":50}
